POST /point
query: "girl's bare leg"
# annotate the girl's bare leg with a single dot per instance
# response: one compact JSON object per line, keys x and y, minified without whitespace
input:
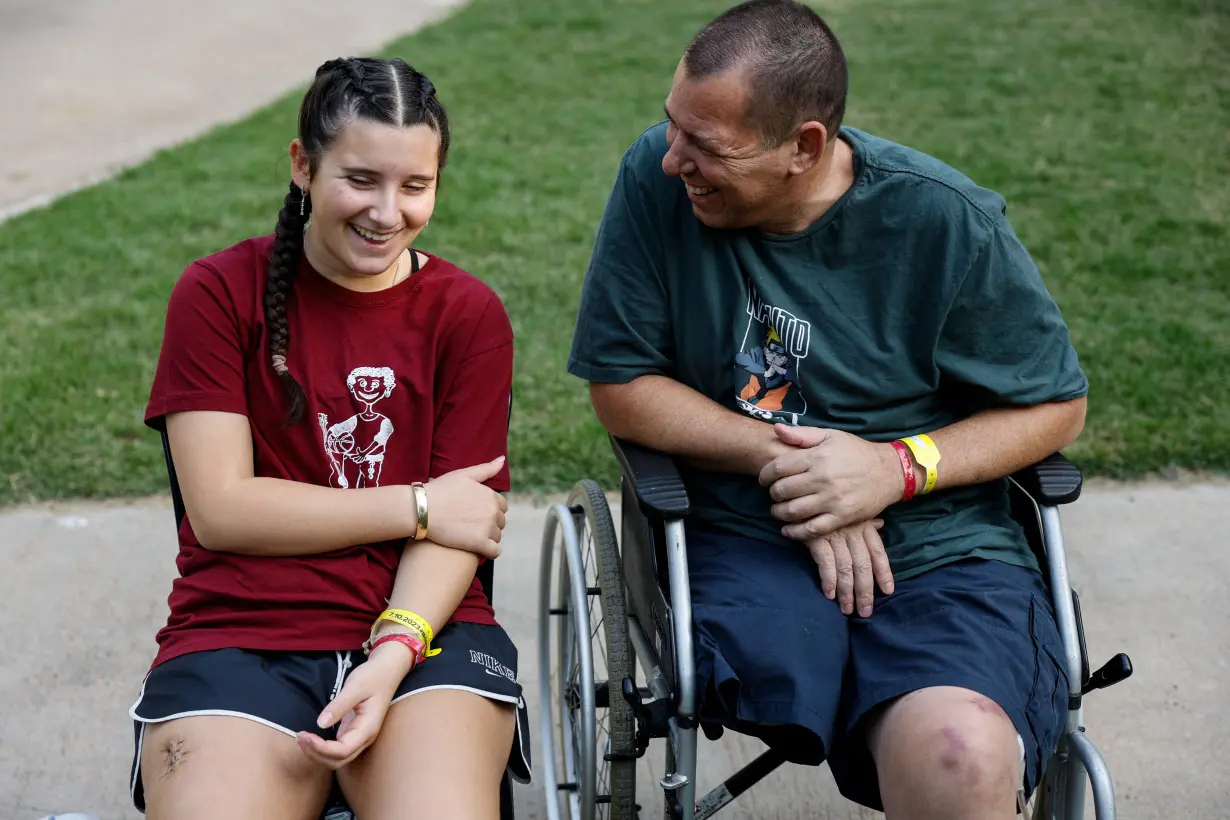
{"x":220,"y":766}
{"x":440,"y":755}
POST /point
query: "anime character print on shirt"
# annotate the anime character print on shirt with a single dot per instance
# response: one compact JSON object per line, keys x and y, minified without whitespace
{"x":356,"y":446}
{"x":775,"y":342}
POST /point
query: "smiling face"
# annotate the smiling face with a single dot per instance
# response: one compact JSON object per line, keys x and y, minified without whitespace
{"x":369,"y":389}
{"x":371,"y":384}
{"x":372,"y":192}
{"x":732,"y":180}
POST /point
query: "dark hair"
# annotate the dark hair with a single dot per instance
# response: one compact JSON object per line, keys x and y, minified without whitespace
{"x":796,"y":70}
{"x":345,"y":90}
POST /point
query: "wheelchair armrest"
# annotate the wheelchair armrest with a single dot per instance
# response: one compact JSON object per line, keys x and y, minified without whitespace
{"x":654,"y":479}
{"x":1052,"y":481}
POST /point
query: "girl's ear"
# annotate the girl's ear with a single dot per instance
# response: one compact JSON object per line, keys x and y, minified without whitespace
{"x":300,"y":165}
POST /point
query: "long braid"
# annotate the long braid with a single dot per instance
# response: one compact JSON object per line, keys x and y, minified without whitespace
{"x":283,"y":266}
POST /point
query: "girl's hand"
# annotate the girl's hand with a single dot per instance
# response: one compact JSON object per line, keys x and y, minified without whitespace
{"x":463,"y":513}
{"x":360,"y":706}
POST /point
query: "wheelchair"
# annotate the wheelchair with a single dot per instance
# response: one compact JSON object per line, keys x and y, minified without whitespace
{"x":611,"y":601}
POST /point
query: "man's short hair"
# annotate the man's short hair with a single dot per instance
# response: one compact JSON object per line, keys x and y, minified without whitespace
{"x":796,"y":69}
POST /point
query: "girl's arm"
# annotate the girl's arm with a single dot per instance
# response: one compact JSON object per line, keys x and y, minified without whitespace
{"x":471,"y":425}
{"x":233,"y":511}
{"x":431,"y":581}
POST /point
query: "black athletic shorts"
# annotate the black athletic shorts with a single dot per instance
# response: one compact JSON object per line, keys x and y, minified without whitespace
{"x":286,"y":691}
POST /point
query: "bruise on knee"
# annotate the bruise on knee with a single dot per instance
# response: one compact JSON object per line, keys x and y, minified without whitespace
{"x":954,"y":748}
{"x":173,"y":755}
{"x":989,"y":707}
{"x":964,"y":761}
{"x":964,"y":752}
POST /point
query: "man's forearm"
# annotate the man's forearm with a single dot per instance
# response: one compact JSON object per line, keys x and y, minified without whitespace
{"x":662,"y":414}
{"x":997,"y":443}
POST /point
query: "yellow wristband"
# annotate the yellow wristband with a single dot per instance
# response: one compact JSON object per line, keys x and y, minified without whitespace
{"x":411,"y":621}
{"x":927,"y":455}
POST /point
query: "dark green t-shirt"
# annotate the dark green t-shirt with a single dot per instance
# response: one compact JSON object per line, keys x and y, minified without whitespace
{"x":909,"y":305}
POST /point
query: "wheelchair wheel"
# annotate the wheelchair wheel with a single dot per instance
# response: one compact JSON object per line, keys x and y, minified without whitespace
{"x":583,"y":671}
{"x":1046,"y":802}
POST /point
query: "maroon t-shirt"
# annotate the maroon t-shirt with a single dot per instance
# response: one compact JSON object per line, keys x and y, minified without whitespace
{"x":402,"y":385}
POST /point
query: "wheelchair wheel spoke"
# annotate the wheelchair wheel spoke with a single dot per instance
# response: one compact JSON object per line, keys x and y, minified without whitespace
{"x":598,"y":641}
{"x":588,"y":617}
{"x":569,"y":670}
{"x":596,"y":623}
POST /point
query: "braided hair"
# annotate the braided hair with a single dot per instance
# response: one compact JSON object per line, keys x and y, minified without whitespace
{"x":389,"y":92}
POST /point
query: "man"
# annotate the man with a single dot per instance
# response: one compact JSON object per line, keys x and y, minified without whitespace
{"x":776,"y":299}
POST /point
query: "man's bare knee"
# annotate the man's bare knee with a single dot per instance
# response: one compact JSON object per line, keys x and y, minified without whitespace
{"x":946,"y":753}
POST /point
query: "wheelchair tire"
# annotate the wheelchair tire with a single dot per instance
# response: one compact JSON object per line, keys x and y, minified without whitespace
{"x":1046,"y":801}
{"x":596,"y":531}
{"x":588,"y":768}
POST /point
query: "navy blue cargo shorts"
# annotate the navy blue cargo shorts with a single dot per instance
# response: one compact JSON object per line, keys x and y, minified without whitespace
{"x":777,"y":660}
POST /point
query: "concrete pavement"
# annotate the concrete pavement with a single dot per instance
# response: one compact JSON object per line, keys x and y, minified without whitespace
{"x":85,"y":590}
{"x":90,"y":86}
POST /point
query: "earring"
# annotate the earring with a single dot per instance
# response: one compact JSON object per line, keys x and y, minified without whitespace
{"x":302,"y":200}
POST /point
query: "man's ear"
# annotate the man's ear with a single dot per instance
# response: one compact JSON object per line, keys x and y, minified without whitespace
{"x":810,"y":141}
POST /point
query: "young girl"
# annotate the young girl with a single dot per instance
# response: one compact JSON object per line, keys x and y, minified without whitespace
{"x":336,"y":404}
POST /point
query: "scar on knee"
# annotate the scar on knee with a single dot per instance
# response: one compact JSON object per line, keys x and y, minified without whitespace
{"x":173,"y":755}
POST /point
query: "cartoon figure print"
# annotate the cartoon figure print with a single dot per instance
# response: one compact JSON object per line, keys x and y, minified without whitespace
{"x":767,"y":367}
{"x":771,"y":373}
{"x":356,"y":446}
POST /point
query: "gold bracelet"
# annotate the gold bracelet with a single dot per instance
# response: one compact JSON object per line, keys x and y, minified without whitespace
{"x":420,"y":503}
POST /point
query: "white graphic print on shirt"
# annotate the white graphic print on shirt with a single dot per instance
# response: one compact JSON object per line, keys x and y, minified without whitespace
{"x":356,"y":446}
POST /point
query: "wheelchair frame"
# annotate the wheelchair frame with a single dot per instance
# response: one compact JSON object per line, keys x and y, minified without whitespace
{"x":653,"y":554}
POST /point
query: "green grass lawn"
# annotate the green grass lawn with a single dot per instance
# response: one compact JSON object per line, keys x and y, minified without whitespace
{"x":1105,"y":123}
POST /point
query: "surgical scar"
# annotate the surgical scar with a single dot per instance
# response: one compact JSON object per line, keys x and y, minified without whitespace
{"x":173,"y":755}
